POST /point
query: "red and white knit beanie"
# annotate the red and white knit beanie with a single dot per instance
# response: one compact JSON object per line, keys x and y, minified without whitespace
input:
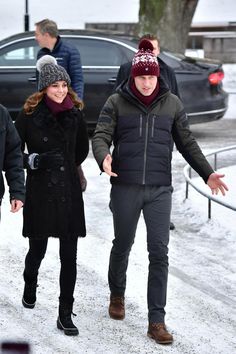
{"x":144,"y":61}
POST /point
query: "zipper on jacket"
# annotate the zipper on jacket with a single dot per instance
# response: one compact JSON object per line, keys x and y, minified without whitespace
{"x":145,"y":149}
{"x":153,"y":123}
{"x":118,"y":150}
{"x":140,"y":125}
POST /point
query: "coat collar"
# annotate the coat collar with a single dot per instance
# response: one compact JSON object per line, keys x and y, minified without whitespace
{"x":43,"y":117}
{"x":125,"y":91}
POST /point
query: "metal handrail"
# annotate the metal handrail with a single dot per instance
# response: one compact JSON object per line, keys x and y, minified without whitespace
{"x":188,"y":173}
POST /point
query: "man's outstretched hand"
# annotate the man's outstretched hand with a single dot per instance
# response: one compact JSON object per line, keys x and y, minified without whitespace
{"x":216,"y":184}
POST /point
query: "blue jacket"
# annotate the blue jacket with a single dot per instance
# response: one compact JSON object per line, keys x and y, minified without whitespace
{"x":67,"y":56}
{"x":11,"y":160}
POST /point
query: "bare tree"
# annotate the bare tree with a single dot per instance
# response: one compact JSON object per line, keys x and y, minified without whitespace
{"x":169,"y":19}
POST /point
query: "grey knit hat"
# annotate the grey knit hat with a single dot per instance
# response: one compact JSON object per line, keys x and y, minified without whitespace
{"x":50,"y":72}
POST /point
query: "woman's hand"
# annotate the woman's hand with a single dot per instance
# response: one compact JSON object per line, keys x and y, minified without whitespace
{"x":16,"y":205}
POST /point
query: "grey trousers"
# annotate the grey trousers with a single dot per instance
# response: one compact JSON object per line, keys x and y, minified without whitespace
{"x":127,"y":202}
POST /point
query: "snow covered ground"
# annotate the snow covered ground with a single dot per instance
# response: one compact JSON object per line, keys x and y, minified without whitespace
{"x":201,"y":290}
{"x":229,"y":84}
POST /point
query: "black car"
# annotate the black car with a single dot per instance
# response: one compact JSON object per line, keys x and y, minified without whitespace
{"x":199,"y":81}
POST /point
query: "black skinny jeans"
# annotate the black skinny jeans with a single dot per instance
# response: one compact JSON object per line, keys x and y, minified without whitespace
{"x":68,"y":272}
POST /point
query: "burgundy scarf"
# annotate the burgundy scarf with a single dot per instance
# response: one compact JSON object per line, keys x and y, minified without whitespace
{"x":56,"y":108}
{"x":146,"y":100}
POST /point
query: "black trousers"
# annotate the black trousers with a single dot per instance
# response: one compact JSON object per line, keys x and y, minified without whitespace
{"x":68,"y":272}
{"x":127,"y":202}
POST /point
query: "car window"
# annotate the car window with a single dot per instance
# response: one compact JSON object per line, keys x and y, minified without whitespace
{"x":19,"y":54}
{"x":98,"y":52}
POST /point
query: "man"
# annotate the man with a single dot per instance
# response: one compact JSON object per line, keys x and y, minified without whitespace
{"x":141,"y":119}
{"x":11,"y":162}
{"x":68,"y":56}
{"x":166,"y":72}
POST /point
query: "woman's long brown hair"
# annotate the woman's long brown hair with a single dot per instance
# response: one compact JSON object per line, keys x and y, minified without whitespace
{"x":32,"y":101}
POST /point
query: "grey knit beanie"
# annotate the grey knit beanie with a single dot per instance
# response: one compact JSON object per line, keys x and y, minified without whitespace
{"x":50,"y":72}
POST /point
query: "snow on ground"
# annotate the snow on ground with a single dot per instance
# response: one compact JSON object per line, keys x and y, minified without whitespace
{"x":229,"y":84}
{"x":200,"y":203}
{"x":201,"y":290}
{"x":229,"y":80}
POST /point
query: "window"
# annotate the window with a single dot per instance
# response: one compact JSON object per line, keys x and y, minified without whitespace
{"x":23,"y":53}
{"x":98,"y":52}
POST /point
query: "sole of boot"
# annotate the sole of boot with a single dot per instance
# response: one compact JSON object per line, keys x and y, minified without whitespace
{"x":27,"y":305}
{"x":160,"y":341}
{"x":67,"y":331}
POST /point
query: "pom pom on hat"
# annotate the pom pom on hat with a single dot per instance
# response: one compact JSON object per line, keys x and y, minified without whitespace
{"x":145,"y":44}
{"x":46,"y":59}
{"x":144,"y":61}
{"x":50,"y":72}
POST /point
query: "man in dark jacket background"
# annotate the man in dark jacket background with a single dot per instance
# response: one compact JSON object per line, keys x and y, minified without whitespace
{"x":11,"y":162}
{"x":140,"y":120}
{"x":67,"y":55}
{"x":166,"y":72}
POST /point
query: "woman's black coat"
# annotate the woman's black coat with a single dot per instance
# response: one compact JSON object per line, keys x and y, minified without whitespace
{"x":54,"y":203}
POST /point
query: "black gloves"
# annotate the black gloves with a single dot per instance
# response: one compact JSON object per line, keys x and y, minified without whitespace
{"x":46,"y":160}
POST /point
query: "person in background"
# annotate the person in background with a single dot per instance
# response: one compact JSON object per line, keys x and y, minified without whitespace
{"x":52,"y":128}
{"x":166,"y":72}
{"x":140,"y":120}
{"x":11,"y":162}
{"x":67,"y":55}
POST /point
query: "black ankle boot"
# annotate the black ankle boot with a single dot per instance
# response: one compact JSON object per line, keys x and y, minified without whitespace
{"x":64,"y":321}
{"x":29,"y":295}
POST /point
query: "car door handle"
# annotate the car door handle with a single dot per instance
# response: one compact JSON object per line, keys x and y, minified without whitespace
{"x":112,"y":80}
{"x":32,"y":79}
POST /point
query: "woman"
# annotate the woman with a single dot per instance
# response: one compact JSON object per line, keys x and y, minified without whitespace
{"x":52,"y":129}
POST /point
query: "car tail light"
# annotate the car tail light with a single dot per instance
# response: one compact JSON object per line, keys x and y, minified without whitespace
{"x":216,"y":78}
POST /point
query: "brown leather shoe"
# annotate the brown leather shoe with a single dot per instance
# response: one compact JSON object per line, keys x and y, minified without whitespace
{"x":117,"y":307}
{"x":159,"y":333}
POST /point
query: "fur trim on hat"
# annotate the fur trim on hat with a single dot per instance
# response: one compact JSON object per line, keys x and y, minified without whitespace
{"x":46,"y":59}
{"x":50,"y":72}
